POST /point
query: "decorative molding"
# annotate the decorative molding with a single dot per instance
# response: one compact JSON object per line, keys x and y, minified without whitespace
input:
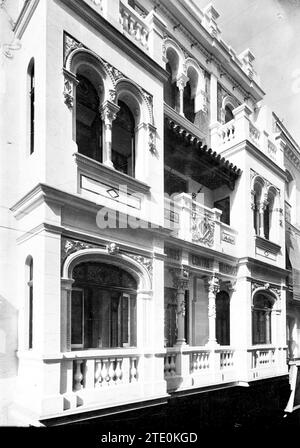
{"x":228,"y":238}
{"x":203,"y":230}
{"x":112,"y":249}
{"x":145,"y":261}
{"x":259,"y":285}
{"x":206,"y":263}
{"x":180,"y":278}
{"x":227,"y":269}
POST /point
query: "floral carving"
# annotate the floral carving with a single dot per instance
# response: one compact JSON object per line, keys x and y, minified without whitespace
{"x":203,"y":230}
{"x":146,"y":262}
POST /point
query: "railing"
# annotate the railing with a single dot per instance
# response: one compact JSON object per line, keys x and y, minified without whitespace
{"x":262,"y":358}
{"x":226,"y":359}
{"x":199,"y":361}
{"x":107,"y":371}
{"x":227,"y":132}
{"x":241,"y":128}
{"x":170,"y":365}
{"x":133,"y":25}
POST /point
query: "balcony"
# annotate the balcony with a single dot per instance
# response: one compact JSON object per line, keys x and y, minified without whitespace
{"x":194,"y":367}
{"x":193,"y":222}
{"x":242,"y":128}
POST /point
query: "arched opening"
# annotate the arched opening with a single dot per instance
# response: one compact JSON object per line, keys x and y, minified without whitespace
{"x":228,"y":114}
{"x":261,"y":318}
{"x":269,"y":216}
{"x":223,"y":318}
{"x":31,"y":104}
{"x":29,"y":301}
{"x":189,"y":103}
{"x":103,"y":307}
{"x":88,"y":119}
{"x":171,"y":92}
{"x":170,"y":89}
{"x":123,"y":140}
{"x":257,"y":190}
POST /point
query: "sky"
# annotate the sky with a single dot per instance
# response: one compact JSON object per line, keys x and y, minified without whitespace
{"x":271,"y":30}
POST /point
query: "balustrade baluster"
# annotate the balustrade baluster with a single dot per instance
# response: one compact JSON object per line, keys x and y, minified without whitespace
{"x":78,"y":376}
{"x":98,"y":378}
{"x":133,"y":370}
{"x":119,"y":371}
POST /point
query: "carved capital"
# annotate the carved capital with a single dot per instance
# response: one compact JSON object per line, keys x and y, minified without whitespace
{"x":109,"y":112}
{"x":180,"y":278}
{"x":152,"y":138}
{"x":70,"y":82}
{"x":212,"y":284}
{"x":181,"y":81}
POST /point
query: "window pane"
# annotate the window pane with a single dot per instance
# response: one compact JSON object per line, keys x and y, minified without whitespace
{"x":76,"y":319}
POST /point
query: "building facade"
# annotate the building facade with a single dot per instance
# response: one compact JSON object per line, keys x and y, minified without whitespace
{"x":145,"y":197}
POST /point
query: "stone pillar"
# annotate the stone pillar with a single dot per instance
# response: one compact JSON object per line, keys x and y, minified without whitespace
{"x":66,"y":292}
{"x":108,"y":112}
{"x":181,"y":83}
{"x":212,"y":284}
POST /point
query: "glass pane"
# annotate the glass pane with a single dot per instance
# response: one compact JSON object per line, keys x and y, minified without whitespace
{"x":76,"y":318}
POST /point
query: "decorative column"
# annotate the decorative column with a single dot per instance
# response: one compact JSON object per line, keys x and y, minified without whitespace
{"x":66,"y":291}
{"x":181,"y":83}
{"x":181,"y":283}
{"x":213,"y":287}
{"x":108,"y":112}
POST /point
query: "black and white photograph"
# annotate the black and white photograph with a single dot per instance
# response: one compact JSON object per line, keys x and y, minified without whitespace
{"x":149,"y":221}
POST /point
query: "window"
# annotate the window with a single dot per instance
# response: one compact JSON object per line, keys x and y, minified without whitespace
{"x":170,"y":89}
{"x":228,"y":114}
{"x":257,"y":193}
{"x":261,"y":319}
{"x":223,"y":318}
{"x":31,"y":105}
{"x":123,"y":140}
{"x":103,"y":310}
{"x":170,"y":317}
{"x":188,"y":103}
{"x":268,"y":217}
{"x":224,"y":206}
{"x":29,"y":266}
{"x":88,"y":120}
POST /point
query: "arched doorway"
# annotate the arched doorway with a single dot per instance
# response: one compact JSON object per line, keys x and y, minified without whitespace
{"x":103,"y":307}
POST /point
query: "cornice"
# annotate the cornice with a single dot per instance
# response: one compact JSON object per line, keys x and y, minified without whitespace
{"x":252,"y":149}
{"x":268,"y":267}
{"x":24,"y":17}
{"x":215,"y":51}
{"x":293,"y":156}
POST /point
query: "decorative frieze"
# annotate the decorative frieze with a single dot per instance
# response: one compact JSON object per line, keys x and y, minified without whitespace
{"x":255,"y":285}
{"x":202,"y":262}
{"x":227,"y":269}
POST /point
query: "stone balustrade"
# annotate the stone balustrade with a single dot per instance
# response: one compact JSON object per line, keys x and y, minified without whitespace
{"x":108,"y":371}
{"x":241,"y":128}
{"x":134,"y":26}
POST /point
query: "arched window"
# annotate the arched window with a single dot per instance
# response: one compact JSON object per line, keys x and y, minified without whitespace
{"x":189,"y":103}
{"x":103,"y":310}
{"x":257,"y":190}
{"x":170,"y":89}
{"x":269,"y":216}
{"x":261,"y":318}
{"x":29,"y":299}
{"x":31,"y":105}
{"x":223,"y":318}
{"x":123,"y":140}
{"x":171,"y":92}
{"x":88,"y":119}
{"x":228,"y":114}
